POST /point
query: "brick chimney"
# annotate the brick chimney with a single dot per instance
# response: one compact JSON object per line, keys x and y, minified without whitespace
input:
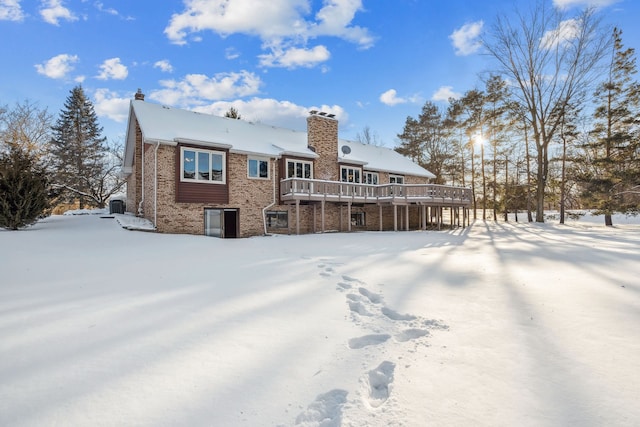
{"x":139,"y":95}
{"x":322,"y":137}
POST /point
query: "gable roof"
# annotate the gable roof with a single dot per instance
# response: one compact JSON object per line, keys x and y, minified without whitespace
{"x":167,"y":125}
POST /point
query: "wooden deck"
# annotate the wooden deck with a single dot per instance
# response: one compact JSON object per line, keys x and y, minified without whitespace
{"x":314,"y":190}
{"x":432,"y":197}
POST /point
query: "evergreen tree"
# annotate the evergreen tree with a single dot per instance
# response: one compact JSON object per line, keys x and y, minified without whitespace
{"x":425,"y":141}
{"x":613,"y":150}
{"x":78,"y":150}
{"x":23,"y":188}
{"x":496,"y":99}
{"x":232,"y":113}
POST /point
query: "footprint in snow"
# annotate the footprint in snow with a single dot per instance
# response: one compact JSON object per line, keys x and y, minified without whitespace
{"x":350,"y":279}
{"x":394,"y":315}
{"x":380,"y":380}
{"x":410,"y":334}
{"x":372,"y":297}
{"x":326,"y":410}
{"x":343,"y":286}
{"x":367,"y":340}
{"x":358,"y":307}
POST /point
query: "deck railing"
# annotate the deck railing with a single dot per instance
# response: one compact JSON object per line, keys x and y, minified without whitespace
{"x":292,"y":189}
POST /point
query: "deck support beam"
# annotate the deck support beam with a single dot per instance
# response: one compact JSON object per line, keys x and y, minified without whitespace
{"x":297,"y":216}
{"x":395,"y":217}
{"x":406,"y":217}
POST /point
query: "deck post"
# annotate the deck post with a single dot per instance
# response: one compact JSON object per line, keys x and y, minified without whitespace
{"x":348,"y":216}
{"x":314,"y":217}
{"x":395,"y":217}
{"x":380,"y":215}
{"x":322,"y":214}
{"x":297,"y":216}
{"x":406,"y":216}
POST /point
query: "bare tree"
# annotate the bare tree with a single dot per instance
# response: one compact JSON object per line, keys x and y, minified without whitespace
{"x":25,"y":126}
{"x":550,"y":59}
{"x":367,"y":136}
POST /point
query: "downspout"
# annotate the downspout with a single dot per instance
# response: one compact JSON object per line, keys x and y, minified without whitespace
{"x":155,"y":186}
{"x":264,"y":210}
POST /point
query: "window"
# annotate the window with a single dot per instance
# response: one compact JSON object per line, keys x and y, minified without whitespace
{"x":299,"y":169}
{"x":258,"y":168}
{"x":277,"y":219}
{"x":370,"y":178}
{"x":349,"y":174}
{"x":202,"y":166}
{"x":357,"y":219}
{"x":396,"y":179}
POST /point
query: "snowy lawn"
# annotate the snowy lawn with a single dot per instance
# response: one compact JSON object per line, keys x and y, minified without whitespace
{"x":494,"y":325}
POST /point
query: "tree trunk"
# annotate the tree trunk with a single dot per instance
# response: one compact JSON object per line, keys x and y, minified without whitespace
{"x":543,"y":164}
{"x":563,"y":179}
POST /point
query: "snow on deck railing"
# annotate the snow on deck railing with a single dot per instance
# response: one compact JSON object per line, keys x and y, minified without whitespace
{"x":320,"y":189}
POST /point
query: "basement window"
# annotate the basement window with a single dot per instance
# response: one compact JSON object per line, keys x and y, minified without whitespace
{"x":277,"y":219}
{"x":357,"y":219}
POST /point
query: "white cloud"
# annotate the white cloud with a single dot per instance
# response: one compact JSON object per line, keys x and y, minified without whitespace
{"x":566,"y":31}
{"x":109,"y":10}
{"x":10,"y":10}
{"x":198,"y":89}
{"x":391,"y":98}
{"x":109,"y":104}
{"x":58,"y":66}
{"x":444,"y":93}
{"x":295,"y":57}
{"x":466,"y":38}
{"x":113,"y":69}
{"x":52,"y":11}
{"x":164,"y":65}
{"x":284,"y":114}
{"x":280,"y":24}
{"x":231,"y":53}
{"x":567,"y":4}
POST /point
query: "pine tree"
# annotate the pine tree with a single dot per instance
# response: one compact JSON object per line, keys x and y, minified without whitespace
{"x":232,"y":113}
{"x":614,"y":147}
{"x":78,"y":150}
{"x":23,"y":188}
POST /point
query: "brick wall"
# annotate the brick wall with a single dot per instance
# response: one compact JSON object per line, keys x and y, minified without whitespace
{"x":322,"y":134}
{"x":134,"y":181}
{"x":249,"y":196}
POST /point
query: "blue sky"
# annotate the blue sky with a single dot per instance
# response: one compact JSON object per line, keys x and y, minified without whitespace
{"x":370,"y":62}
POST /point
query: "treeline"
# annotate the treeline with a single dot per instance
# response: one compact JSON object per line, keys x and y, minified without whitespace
{"x":555,"y":126}
{"x":45,"y":162}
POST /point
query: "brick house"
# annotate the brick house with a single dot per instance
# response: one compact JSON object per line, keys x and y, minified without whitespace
{"x":195,"y":173}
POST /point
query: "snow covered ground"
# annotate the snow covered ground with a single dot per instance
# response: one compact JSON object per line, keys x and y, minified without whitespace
{"x":495,"y":325}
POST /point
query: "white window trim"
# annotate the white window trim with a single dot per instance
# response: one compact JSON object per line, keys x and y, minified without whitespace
{"x":298,"y":161}
{"x":259,"y":159}
{"x":376,"y":174}
{"x":198,"y":150}
{"x":396,"y":177}
{"x":353,"y":168}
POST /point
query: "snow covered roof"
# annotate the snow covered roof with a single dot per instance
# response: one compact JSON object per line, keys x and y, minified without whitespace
{"x":167,"y":125}
{"x":381,"y":159}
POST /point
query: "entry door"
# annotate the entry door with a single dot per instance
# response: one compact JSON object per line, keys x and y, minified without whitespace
{"x":221,"y":223}
{"x":230,"y":223}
